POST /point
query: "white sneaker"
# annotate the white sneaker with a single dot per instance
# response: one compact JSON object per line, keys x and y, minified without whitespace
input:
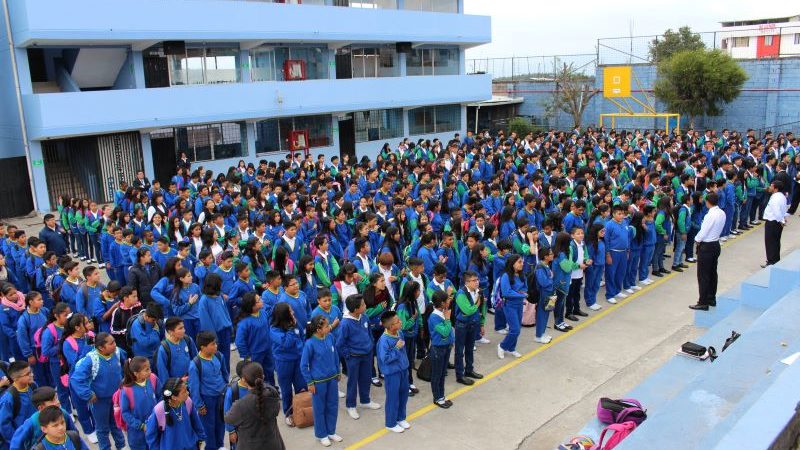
{"x":353,"y":413}
{"x":723,"y":239}
{"x":596,"y":307}
{"x":396,"y":429}
{"x":516,"y":354}
{"x":342,"y":394}
{"x":622,"y":295}
{"x":404,"y":424}
{"x":92,"y":437}
{"x":483,"y":340}
{"x":500,"y":352}
{"x":647,"y":281}
{"x":411,"y":386}
{"x":544,"y":339}
{"x":335,"y":438}
{"x":233,"y":347}
{"x":474,"y":348}
{"x":612,"y":300}
{"x":503,"y":331}
{"x":371,"y":405}
{"x":325,"y":442}
{"x":636,"y":288}
{"x":602,"y":283}
{"x":629,"y":291}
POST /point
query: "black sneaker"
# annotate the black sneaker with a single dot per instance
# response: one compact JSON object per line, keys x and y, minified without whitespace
{"x":677,"y":269}
{"x":581,"y":313}
{"x":465,"y":381}
{"x":443,"y":403}
{"x":657,"y":273}
{"x":665,"y":271}
{"x":571,"y":317}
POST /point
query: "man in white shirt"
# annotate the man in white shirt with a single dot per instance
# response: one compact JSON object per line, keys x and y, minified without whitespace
{"x":774,"y":221}
{"x":708,"y":251}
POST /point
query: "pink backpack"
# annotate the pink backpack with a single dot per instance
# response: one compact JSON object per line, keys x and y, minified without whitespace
{"x":65,"y":370}
{"x":161,"y":414}
{"x":116,"y":401}
{"x":621,"y":431}
{"x":37,"y":341}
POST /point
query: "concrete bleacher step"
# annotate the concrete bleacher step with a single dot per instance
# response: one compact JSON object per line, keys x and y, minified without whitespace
{"x":691,"y":415}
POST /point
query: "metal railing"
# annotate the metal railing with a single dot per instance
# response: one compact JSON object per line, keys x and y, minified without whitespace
{"x":518,"y":68}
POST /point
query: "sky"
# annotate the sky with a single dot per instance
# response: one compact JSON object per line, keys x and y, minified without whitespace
{"x":543,"y":28}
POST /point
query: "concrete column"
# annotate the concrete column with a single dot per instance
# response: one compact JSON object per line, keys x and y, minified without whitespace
{"x":23,"y":72}
{"x":39,"y":179}
{"x":406,"y":127}
{"x":401,"y":4}
{"x":244,"y":65}
{"x":463,"y":126}
{"x":138,"y":69}
{"x":462,"y":61}
{"x":147,"y":156}
{"x":401,"y":63}
{"x":251,"y":139}
{"x":331,"y":64}
{"x":335,"y":134}
{"x":460,"y":6}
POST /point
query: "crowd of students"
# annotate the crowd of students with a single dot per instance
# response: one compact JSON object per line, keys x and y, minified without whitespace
{"x":314,"y":270}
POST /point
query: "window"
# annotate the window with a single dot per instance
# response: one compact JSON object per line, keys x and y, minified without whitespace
{"x":768,"y":40}
{"x":741,"y":41}
{"x":272,"y":135}
{"x":266,"y":63}
{"x":434,"y":119}
{"x":212,"y":141}
{"x":432,"y":61}
{"x":445,"y":6}
{"x":204,"y":66}
{"x":378,"y":124}
{"x":797,"y":39}
{"x":367,"y":4}
{"x":373,"y":62}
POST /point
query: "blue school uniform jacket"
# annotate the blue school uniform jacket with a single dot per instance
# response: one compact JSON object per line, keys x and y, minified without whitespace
{"x":181,"y":435}
{"x":146,"y":337}
{"x":180,"y":356}
{"x":228,"y":278}
{"x":320,"y":362}
{"x":391,"y":360}
{"x":442,"y":333}
{"x":332,"y":315}
{"x":238,"y":289}
{"x":30,"y":432}
{"x":616,"y":236}
{"x":214,"y":379}
{"x":300,"y":307}
{"x":252,"y":336}
{"x":27,"y":325}
{"x":144,"y":400}
{"x":162,"y":294}
{"x":213,"y":314}
{"x":287,"y":345}
{"x":9,"y":424}
{"x":98,"y":375}
{"x":84,"y":302}
{"x":544,"y":280}
{"x":354,"y":336}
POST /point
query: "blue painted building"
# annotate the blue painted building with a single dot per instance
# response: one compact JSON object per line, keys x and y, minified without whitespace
{"x":94,"y":91}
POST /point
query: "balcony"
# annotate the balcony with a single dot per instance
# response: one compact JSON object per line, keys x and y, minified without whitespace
{"x":79,"y":113}
{"x":142,"y":23}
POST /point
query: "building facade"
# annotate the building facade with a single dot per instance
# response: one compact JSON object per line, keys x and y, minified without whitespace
{"x":761,"y":38}
{"x":94,"y":91}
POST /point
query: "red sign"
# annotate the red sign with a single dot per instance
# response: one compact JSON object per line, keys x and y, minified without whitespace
{"x":294,"y":69}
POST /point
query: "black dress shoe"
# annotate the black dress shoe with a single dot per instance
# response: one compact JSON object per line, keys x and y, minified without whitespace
{"x":657,"y":273}
{"x":665,"y":271}
{"x":473,"y":374}
{"x":443,"y":404}
{"x":411,"y":393}
{"x":451,"y":366}
{"x":571,"y":317}
{"x":581,"y":313}
{"x":465,"y":381}
{"x":699,"y":307}
{"x":676,"y":269}
{"x":377,"y":382}
{"x":684,"y":266}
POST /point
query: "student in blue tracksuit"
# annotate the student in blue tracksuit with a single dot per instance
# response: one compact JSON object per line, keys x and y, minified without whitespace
{"x":355,"y":345}
{"x":214,"y":315}
{"x":393,"y":363}
{"x":498,"y":266}
{"x":184,"y":300}
{"x":147,"y":331}
{"x":164,"y":291}
{"x":176,"y":351}
{"x":597,"y":253}
{"x":616,"y":253}
{"x":513,"y":290}
{"x":54,"y":429}
{"x":50,"y":350}
{"x":635,"y":238}
{"x":30,"y":321}
{"x":547,"y":300}
{"x":320,"y":368}
{"x":297,"y":299}
{"x":663,"y":225}
{"x":287,"y":348}
{"x":164,"y":430}
{"x":326,"y":308}
{"x":562,"y":270}
{"x":442,"y":338}
{"x":13,"y":307}
{"x":21,"y":373}
{"x":252,"y":334}
{"x":469,"y":304}
{"x":137,"y":399}
{"x":648,"y":244}
{"x":97,"y":376}
{"x":31,"y":431}
{"x":244,"y":283}
{"x":76,"y":342}
{"x":208,"y":377}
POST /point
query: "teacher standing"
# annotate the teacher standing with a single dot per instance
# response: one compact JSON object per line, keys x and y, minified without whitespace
{"x":708,"y":251}
{"x":255,"y":415}
{"x":775,"y":219}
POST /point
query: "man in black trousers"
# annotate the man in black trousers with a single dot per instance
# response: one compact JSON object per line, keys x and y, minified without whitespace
{"x":774,"y":220}
{"x":708,"y":251}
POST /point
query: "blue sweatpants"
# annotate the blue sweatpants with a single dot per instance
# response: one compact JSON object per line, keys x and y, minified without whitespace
{"x":615,"y":273}
{"x":212,"y":421}
{"x":396,"y":386}
{"x":291,"y":381}
{"x":103,"y":414}
{"x":136,"y":440}
{"x":359,"y":379}
{"x":224,"y":345}
{"x":465,"y":342}
{"x":265,"y":359}
{"x":594,"y":274}
{"x":440,"y":355}
{"x":645,"y":257}
{"x":325,"y":403}
{"x":632,"y":273}
{"x":514,"y":317}
{"x":63,"y":392}
{"x":84,"y":415}
{"x":500,"y":319}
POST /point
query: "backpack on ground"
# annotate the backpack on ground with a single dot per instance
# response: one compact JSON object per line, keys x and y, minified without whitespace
{"x":73,"y":436}
{"x":116,"y":401}
{"x":161,"y":414}
{"x":623,"y":410}
{"x":620,"y":430}
{"x":528,"y":314}
{"x":37,"y":342}
{"x":425,"y":368}
{"x":302,"y":411}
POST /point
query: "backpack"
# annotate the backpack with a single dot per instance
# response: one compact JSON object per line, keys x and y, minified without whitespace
{"x":73,"y":436}
{"x":620,"y":430}
{"x":15,"y":403}
{"x":168,"y":352}
{"x":37,"y":341}
{"x":302,"y":411}
{"x":425,"y":368}
{"x":234,"y":387}
{"x":161,"y":414}
{"x":129,"y":340}
{"x":116,"y":401}
{"x":497,"y":297}
{"x":617,"y":411}
{"x":199,"y":365}
{"x":54,"y":293}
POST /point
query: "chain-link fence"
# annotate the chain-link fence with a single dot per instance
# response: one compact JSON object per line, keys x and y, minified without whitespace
{"x":520,"y":68}
{"x":766,"y":41}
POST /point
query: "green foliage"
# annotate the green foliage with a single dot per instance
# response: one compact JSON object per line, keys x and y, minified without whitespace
{"x":694,"y":82}
{"x":663,"y":47}
{"x":520,"y":125}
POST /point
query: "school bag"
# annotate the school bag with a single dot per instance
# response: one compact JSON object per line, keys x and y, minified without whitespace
{"x":199,"y":365}
{"x":620,"y":430}
{"x":161,"y":414}
{"x":168,"y":351}
{"x":37,"y":342}
{"x":234,"y":387}
{"x":73,"y":437}
{"x":129,"y":340}
{"x":424,"y":369}
{"x":54,"y":293}
{"x":623,"y":410}
{"x":528,"y":314}
{"x":497,"y":297}
{"x":116,"y":401}
{"x":302,"y":411}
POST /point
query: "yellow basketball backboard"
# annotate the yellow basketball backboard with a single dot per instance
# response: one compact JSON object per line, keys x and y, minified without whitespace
{"x":617,"y":81}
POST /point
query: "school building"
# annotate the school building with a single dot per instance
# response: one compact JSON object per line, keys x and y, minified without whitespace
{"x":94,"y":91}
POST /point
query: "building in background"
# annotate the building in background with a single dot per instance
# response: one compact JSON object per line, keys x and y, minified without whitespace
{"x":94,"y":91}
{"x":761,"y":38}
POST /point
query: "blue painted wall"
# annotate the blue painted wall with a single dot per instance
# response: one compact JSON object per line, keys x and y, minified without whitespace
{"x":10,"y":133}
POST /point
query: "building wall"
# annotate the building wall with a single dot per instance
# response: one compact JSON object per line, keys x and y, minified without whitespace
{"x":10,"y":131}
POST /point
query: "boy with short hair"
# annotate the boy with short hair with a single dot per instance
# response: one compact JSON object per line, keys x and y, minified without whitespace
{"x":30,"y":431}
{"x":393,"y":364}
{"x":354,"y":343}
{"x":175,"y":352}
{"x":208,"y":378}
{"x":442,"y":338}
{"x":56,"y":434}
{"x":16,"y":404}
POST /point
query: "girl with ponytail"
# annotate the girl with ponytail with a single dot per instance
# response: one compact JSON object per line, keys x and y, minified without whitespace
{"x":174,"y":423}
{"x":76,"y":341}
{"x":137,"y":399}
{"x":255,"y":415}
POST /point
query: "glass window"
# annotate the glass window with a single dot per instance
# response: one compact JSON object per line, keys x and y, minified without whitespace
{"x":204,"y":66}
{"x":434,"y":119}
{"x":741,"y":41}
{"x":367,"y":4}
{"x":768,"y":40}
{"x":272,"y":135}
{"x":372,"y":62}
{"x":432,"y":61}
{"x":315,"y":58}
{"x":797,"y":39}
{"x":378,"y":124}
{"x":221,"y":65}
{"x":262,"y":64}
{"x":212,"y":141}
{"x":444,"y":6}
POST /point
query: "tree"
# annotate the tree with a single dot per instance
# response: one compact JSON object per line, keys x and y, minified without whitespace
{"x":573,"y":93}
{"x":519,"y":125}
{"x":662,"y":47}
{"x":694,"y":82}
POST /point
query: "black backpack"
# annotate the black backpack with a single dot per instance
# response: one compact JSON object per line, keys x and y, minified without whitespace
{"x":199,"y":365}
{"x":234,"y":386}
{"x":425,"y":368}
{"x":129,"y":340}
{"x":168,"y":352}
{"x":15,"y":403}
{"x":73,"y":436}
{"x":533,"y":287}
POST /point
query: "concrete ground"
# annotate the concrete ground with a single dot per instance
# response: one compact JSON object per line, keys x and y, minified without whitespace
{"x":549,"y":394}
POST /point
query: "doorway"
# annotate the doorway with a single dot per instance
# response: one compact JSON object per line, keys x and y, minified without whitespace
{"x":164,"y":158}
{"x":347,"y":136}
{"x":344,"y":64}
{"x":156,"y":71}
